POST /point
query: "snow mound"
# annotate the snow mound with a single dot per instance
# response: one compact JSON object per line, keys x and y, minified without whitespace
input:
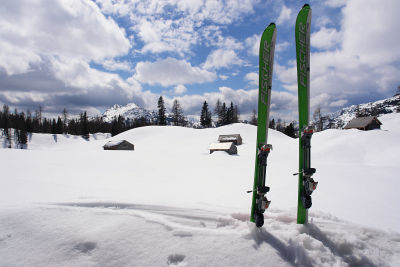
{"x":70,"y":203}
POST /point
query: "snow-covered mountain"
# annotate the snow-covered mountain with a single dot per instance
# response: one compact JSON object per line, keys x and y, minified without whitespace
{"x":340,"y":118}
{"x":132,"y":111}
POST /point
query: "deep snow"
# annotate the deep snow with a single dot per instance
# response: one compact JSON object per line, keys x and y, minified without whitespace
{"x":66,"y":202}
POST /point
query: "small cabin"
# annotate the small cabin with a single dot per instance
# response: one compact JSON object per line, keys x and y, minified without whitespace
{"x":364,"y":123}
{"x":228,"y":147}
{"x":235,"y":138}
{"x":119,"y":145}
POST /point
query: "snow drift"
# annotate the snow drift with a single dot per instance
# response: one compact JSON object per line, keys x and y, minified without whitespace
{"x":65,"y":201}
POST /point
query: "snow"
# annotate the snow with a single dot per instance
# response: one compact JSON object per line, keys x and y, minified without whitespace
{"x":113,"y":143}
{"x":225,"y":145}
{"x":66,"y":202}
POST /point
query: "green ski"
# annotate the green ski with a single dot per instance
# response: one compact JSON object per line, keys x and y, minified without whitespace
{"x":259,"y":202}
{"x":306,"y":183}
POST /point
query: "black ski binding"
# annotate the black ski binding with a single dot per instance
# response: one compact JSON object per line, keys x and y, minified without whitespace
{"x":309,"y":185}
{"x":263,"y":153}
{"x":306,"y":135}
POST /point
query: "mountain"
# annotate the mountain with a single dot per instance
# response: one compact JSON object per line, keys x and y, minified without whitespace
{"x":131,"y":111}
{"x":339,"y":119}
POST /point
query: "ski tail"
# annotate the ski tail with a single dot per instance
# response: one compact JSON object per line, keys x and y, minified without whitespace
{"x":266,"y":60}
{"x":302,"y":33}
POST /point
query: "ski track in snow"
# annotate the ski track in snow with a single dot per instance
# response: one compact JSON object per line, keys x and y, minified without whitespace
{"x":186,"y":237}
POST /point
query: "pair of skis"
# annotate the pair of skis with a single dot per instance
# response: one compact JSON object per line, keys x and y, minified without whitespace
{"x":306,"y":183}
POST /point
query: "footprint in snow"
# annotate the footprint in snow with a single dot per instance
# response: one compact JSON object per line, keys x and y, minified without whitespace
{"x":182,"y":234}
{"x":175,"y":259}
{"x":85,"y":247}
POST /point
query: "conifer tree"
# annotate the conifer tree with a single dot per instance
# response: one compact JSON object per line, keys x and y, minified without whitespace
{"x":217,"y":108}
{"x":161,"y":112}
{"x":178,"y":116}
{"x":222,"y":116}
{"x":272,"y":124}
{"x":205,"y":116}
{"x":235,"y":114}
{"x":84,"y":125}
{"x":254,"y":120}
{"x":289,"y":130}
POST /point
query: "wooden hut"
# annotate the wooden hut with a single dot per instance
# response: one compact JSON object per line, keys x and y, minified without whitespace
{"x":235,"y":138}
{"x":228,"y":147}
{"x":364,"y":123}
{"x":119,"y":145}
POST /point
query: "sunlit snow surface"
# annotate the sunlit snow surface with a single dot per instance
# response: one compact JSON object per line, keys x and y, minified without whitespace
{"x":67,"y":202}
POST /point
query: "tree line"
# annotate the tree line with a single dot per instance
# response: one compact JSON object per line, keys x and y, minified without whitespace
{"x":27,"y":122}
{"x":224,"y":115}
{"x":279,"y":125}
{"x":17,"y":125}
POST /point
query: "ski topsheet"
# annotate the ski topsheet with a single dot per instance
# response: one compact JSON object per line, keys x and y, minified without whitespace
{"x":267,"y":48}
{"x":306,"y":183}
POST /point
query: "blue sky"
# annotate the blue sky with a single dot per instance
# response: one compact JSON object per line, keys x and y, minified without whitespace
{"x":90,"y":55}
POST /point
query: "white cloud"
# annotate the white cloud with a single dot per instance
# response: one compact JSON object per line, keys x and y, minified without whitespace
{"x":177,"y":31}
{"x":180,"y":89}
{"x":229,"y":43}
{"x":370,"y":31}
{"x":170,"y":71}
{"x":326,"y":38}
{"x":359,"y":60}
{"x":253,"y":43}
{"x":223,"y":77}
{"x":29,"y":32}
{"x":222,"y":58}
{"x":284,"y":16}
{"x":282,"y":46}
{"x":338,"y":103}
{"x":253,"y":78}
{"x":111,"y":64}
{"x":336,"y":3}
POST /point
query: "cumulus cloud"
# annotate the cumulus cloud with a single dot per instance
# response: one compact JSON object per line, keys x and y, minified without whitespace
{"x":336,"y":3}
{"x":284,"y":15}
{"x":326,"y":38}
{"x":180,"y":89}
{"x":252,"y":77}
{"x":111,"y":64}
{"x":282,"y":46}
{"x":253,"y":44}
{"x":47,"y":51}
{"x":359,"y":61}
{"x":28,"y":32}
{"x":370,"y":31}
{"x":171,"y":71}
{"x":222,"y":58}
{"x":162,"y":30}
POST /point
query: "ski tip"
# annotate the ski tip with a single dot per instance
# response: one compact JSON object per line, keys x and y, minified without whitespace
{"x":272,"y":24}
{"x":306,"y":5}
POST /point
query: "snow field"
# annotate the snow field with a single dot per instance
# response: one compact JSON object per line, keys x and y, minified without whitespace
{"x":170,"y":202}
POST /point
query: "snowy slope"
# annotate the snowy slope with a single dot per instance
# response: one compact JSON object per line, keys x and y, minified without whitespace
{"x":170,"y":202}
{"x":341,"y":118}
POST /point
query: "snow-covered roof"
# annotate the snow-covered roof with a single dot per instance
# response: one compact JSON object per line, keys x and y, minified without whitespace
{"x":226,"y":145}
{"x":113,"y":143}
{"x":226,"y":137}
{"x":361,"y":122}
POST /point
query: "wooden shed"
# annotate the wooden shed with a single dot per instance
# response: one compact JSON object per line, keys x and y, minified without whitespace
{"x":119,"y":145}
{"x":228,"y":147}
{"x":364,"y":123}
{"x":235,"y":138}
